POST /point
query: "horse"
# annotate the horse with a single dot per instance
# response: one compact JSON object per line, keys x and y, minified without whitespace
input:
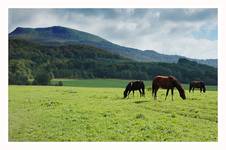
{"x":197,"y":84}
{"x":167,"y":82}
{"x":133,"y":86}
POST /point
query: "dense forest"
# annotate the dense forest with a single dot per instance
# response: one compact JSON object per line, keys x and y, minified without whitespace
{"x":27,"y":59}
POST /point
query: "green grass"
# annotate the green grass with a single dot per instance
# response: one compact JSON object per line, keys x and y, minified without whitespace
{"x":51,"y":113}
{"x":112,"y":83}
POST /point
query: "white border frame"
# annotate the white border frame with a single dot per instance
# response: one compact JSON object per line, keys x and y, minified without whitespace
{"x":4,"y":5}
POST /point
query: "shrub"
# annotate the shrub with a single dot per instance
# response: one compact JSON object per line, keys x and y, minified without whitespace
{"x":60,"y":83}
{"x":18,"y":78}
{"x":42,"y":78}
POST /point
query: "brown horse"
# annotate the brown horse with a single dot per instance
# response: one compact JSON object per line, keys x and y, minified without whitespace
{"x":167,"y":82}
{"x":197,"y":84}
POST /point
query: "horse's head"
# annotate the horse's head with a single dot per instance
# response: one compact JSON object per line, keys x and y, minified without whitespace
{"x":125,"y":94}
{"x":128,"y":88}
{"x":180,"y":89}
{"x":204,"y":88}
{"x":182,"y":94}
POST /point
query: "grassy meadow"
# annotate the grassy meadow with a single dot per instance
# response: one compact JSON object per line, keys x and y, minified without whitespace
{"x":110,"y":83}
{"x":94,"y":110}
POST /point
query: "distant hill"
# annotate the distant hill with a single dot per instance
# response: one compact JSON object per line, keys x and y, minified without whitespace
{"x":57,"y":35}
{"x":27,"y":59}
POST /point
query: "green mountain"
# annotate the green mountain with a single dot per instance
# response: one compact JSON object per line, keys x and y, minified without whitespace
{"x":27,"y":59}
{"x":56,"y":35}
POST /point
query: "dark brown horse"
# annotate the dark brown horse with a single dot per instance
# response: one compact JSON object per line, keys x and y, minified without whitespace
{"x":133,"y":86}
{"x":167,"y":82}
{"x":197,"y":84}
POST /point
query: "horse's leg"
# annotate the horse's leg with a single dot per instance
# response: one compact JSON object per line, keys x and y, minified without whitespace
{"x":140,"y":92}
{"x":156,"y":90}
{"x":153,"y":93}
{"x":172,"y":93}
{"x":133,"y":93}
{"x":193,"y":89}
{"x":143,"y":92}
{"x":167,"y":93}
{"x":129,"y":93}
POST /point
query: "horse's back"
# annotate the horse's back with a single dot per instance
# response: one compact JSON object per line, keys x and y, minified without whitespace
{"x":164,"y":81}
{"x":197,"y":83}
{"x":164,"y":78}
{"x":136,"y":85}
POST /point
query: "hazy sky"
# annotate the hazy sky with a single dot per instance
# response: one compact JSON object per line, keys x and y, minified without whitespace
{"x":187,"y":32}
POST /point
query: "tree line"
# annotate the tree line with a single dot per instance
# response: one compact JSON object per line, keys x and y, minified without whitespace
{"x":32,"y":61}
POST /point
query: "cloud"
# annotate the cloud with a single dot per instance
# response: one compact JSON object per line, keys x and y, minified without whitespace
{"x":188,"y":32}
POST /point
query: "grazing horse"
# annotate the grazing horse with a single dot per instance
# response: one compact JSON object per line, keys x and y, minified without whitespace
{"x":133,"y":86}
{"x":167,"y":82}
{"x":197,"y":84}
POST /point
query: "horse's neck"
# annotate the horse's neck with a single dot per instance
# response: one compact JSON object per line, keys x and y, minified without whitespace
{"x":178,"y":86}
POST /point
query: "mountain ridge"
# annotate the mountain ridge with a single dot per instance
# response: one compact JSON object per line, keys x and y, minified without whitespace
{"x":63,"y":35}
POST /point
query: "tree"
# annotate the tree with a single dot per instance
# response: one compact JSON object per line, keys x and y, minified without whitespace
{"x":42,"y":78}
{"x":18,"y":78}
{"x":60,"y":83}
{"x":18,"y":72}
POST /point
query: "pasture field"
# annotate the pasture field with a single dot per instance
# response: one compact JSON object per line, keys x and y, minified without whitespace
{"x":111,"y":83}
{"x":68,"y":113}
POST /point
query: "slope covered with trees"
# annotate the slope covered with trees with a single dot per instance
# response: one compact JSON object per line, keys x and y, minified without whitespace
{"x":27,"y":59}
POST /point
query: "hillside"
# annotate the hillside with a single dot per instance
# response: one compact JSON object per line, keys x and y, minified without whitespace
{"x":26,"y":59}
{"x":57,"y":35}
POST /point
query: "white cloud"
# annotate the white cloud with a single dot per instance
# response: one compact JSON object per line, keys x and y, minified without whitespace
{"x":168,"y":31}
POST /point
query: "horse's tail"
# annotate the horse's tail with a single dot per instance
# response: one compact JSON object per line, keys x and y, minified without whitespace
{"x":190,"y":87}
{"x":153,"y":87}
{"x":143,"y":88}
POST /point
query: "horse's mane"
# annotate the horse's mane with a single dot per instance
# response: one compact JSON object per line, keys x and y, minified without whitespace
{"x":128,"y":86}
{"x":177,"y":83}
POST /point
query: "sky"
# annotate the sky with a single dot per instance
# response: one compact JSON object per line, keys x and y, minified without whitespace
{"x":188,"y":32}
